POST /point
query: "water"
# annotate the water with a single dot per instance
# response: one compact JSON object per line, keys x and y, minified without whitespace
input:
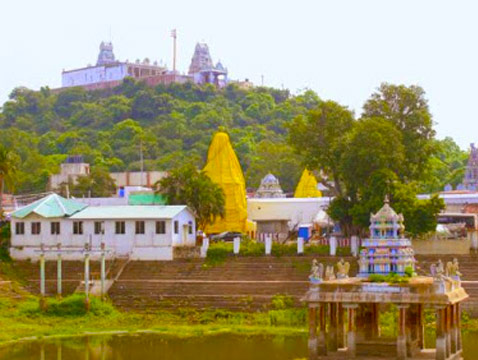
{"x":157,"y":347}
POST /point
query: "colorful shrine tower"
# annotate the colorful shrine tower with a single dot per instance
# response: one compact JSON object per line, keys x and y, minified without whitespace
{"x":387,"y":250}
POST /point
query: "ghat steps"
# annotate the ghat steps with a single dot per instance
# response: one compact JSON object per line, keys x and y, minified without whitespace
{"x":240,"y":283}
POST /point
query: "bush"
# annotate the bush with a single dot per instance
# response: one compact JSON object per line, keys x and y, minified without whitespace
{"x":391,"y":278}
{"x":280,"y":302}
{"x":70,"y":306}
{"x":283,"y":249}
{"x":217,"y":253}
{"x":4,"y":242}
{"x":287,"y":317}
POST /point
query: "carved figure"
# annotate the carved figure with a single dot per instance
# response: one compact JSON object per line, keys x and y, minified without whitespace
{"x":343,"y":269}
{"x":329,"y":273}
{"x":437,"y":270}
{"x":453,"y":268}
{"x":316,"y":271}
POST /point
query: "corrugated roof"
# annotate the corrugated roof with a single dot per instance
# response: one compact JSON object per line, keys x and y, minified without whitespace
{"x":50,"y":206}
{"x":129,"y":212}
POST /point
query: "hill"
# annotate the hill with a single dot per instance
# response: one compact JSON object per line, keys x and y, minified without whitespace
{"x":171,"y":123}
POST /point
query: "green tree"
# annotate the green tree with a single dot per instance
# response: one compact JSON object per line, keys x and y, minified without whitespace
{"x":98,"y":183}
{"x":8,"y":170}
{"x":407,"y":108}
{"x":185,"y":185}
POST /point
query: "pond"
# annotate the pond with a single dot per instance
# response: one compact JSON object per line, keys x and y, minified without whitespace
{"x":157,"y":347}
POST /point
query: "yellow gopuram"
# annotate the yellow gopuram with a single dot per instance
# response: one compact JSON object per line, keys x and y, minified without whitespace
{"x":307,"y":186}
{"x":224,"y":169}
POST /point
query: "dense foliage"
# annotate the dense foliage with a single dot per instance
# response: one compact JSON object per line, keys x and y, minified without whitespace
{"x":389,"y":150}
{"x":171,"y":123}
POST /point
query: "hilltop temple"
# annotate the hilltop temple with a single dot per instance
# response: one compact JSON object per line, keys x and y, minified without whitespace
{"x":109,"y":72}
{"x":470,"y":182}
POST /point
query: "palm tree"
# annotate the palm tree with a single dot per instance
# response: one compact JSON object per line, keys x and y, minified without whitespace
{"x":8,"y":169}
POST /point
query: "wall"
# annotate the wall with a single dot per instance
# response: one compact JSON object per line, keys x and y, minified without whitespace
{"x":68,"y":171}
{"x":295,"y":210}
{"x":147,"y":178}
{"x":93,"y":74}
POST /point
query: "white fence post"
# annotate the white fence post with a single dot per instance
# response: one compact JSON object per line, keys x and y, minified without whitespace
{"x":474,"y":240}
{"x":300,"y":245}
{"x":354,"y":240}
{"x":237,"y":245}
{"x":333,"y":245}
{"x":268,"y":244}
{"x":204,"y":247}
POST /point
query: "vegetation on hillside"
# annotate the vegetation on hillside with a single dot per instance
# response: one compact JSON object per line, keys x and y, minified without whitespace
{"x":174,"y":124}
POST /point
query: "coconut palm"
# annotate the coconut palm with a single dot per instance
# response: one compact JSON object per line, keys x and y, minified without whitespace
{"x":7,"y":172}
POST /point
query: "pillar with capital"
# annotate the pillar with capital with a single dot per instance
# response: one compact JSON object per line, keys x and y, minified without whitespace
{"x":402,"y":337}
{"x":351,"y":331}
{"x":312,"y":342}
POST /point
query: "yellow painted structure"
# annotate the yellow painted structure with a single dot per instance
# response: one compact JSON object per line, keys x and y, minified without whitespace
{"x":307,"y":186}
{"x":224,"y":169}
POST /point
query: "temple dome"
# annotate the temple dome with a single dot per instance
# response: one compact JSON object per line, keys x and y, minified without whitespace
{"x":269,"y":188}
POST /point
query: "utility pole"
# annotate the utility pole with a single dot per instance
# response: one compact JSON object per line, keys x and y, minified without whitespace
{"x":141,"y":160}
{"x":262,"y":80}
{"x":174,"y":36}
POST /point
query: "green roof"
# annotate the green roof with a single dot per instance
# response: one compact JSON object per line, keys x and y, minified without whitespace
{"x":51,"y":206}
{"x":146,"y":199}
{"x":129,"y":212}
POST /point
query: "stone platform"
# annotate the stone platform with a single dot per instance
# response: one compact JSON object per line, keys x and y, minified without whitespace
{"x":355,"y":301}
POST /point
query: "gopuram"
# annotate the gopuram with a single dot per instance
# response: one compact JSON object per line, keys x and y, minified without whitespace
{"x":344,"y":312}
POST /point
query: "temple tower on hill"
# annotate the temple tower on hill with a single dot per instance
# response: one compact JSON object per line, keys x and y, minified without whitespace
{"x":224,"y":169}
{"x":203,"y":69}
{"x":269,"y":188}
{"x":470,"y":181}
{"x":106,"y":55}
{"x":387,"y":250}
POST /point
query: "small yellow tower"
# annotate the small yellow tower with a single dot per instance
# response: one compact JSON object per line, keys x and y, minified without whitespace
{"x":224,"y":169}
{"x":307,"y":186}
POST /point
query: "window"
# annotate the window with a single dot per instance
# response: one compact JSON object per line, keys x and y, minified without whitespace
{"x":176,"y":227}
{"x":139,"y":227}
{"x":55,"y":228}
{"x":78,"y":227}
{"x":190,"y":227}
{"x":99,"y":228}
{"x":160,"y":227}
{"x":120,"y":227}
{"x":19,"y":228}
{"x":36,"y":228}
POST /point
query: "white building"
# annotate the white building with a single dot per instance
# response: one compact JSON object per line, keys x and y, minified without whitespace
{"x":137,"y":232}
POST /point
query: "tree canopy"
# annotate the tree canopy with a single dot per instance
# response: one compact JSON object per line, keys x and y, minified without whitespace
{"x":187,"y":185}
{"x":389,"y":150}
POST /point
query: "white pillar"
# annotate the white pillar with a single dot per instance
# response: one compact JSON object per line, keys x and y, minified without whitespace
{"x":300,"y":245}
{"x":237,"y":245}
{"x":333,"y":245}
{"x":474,"y":240}
{"x":354,"y":241}
{"x":268,"y":244}
{"x":204,"y":247}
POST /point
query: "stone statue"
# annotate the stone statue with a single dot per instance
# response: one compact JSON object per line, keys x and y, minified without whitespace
{"x":329,"y":273}
{"x":437,"y":270}
{"x":343,"y":269}
{"x":453,"y":269}
{"x":316,"y":272}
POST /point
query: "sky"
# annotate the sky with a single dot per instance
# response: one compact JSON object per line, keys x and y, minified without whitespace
{"x":342,"y":49}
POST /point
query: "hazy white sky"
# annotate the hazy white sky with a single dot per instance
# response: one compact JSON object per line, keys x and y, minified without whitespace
{"x":341,"y":49}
